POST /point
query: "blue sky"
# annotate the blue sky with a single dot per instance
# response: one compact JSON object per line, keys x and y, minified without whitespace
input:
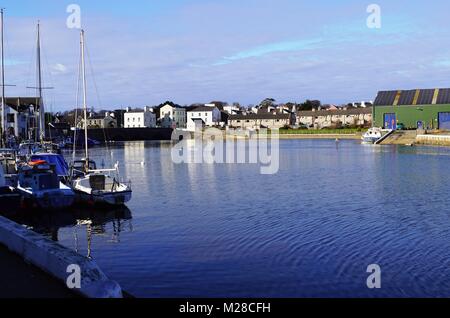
{"x":145,"y":52}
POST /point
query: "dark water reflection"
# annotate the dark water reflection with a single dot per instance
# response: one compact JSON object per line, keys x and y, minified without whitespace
{"x":311,"y":230}
{"x":91,"y":221}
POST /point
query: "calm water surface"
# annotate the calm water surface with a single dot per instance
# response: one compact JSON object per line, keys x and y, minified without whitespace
{"x":311,"y":230}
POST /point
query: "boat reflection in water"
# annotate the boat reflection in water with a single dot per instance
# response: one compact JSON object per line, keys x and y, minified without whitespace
{"x":95,"y":222}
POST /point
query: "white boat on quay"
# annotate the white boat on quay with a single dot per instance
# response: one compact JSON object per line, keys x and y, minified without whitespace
{"x":372,"y":136}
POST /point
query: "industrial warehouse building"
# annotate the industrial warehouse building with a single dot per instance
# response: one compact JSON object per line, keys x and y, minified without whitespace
{"x":413,"y":109}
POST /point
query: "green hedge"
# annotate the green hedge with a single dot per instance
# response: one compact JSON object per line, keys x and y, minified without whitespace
{"x":346,"y":131}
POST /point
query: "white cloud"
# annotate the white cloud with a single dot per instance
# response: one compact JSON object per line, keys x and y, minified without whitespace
{"x":59,"y":69}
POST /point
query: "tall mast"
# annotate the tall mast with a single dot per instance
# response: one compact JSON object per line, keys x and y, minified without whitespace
{"x":83,"y":69}
{"x":39,"y":87}
{"x":3,"y":124}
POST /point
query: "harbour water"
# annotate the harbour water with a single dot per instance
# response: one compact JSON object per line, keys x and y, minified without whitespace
{"x":311,"y":230}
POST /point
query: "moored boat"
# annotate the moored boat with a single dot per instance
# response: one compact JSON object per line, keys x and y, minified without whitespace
{"x":372,"y":136}
{"x":8,"y":165}
{"x":60,"y":164}
{"x":92,"y":185}
{"x":98,"y":186}
{"x":40,"y":187}
{"x":9,"y":198}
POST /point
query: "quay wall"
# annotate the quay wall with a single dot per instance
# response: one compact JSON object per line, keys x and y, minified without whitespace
{"x":130,"y":134}
{"x":55,"y":259}
{"x":438,"y":140}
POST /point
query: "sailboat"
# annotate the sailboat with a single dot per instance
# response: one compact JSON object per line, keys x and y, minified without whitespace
{"x":39,"y":182}
{"x":92,"y":185}
{"x":39,"y":144}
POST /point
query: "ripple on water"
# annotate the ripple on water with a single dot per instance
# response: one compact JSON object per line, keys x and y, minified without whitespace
{"x":310,"y":230}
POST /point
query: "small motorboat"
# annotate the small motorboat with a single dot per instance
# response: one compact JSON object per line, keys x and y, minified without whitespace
{"x":40,"y":186}
{"x":372,"y":136}
{"x":60,"y":165}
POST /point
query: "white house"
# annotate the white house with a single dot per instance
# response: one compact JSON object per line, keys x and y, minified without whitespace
{"x":98,"y":121}
{"x":205,"y":116}
{"x":20,"y":113}
{"x":139,"y":118}
{"x":173,"y":116}
{"x":231,"y":109}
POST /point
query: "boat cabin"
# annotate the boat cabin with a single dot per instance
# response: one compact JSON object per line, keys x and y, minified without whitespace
{"x":39,"y":176}
{"x":60,"y":165}
{"x":79,"y":167}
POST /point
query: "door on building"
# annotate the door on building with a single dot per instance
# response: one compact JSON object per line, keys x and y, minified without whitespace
{"x":420,"y":125}
{"x":390,"y":121}
{"x":444,"y":121}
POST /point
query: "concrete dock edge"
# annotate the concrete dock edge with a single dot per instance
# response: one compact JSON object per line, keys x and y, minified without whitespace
{"x":437,"y":140}
{"x":55,"y":259}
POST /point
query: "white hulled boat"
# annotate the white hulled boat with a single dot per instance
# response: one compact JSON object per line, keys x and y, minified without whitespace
{"x":372,"y":135}
{"x":98,"y":186}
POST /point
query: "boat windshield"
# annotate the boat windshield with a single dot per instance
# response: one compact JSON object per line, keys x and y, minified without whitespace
{"x":81,"y":165}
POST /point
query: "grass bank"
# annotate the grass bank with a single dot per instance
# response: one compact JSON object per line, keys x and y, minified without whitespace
{"x":346,"y":131}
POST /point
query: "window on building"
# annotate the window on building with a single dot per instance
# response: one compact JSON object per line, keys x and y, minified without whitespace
{"x":10,"y":118}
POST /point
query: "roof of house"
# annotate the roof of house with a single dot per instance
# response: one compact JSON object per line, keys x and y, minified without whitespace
{"x":203,"y":109}
{"x":350,"y":111}
{"x":22,"y":103}
{"x":413,"y":97}
{"x":258,"y":116}
{"x":138,"y":111}
{"x":173,"y":106}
